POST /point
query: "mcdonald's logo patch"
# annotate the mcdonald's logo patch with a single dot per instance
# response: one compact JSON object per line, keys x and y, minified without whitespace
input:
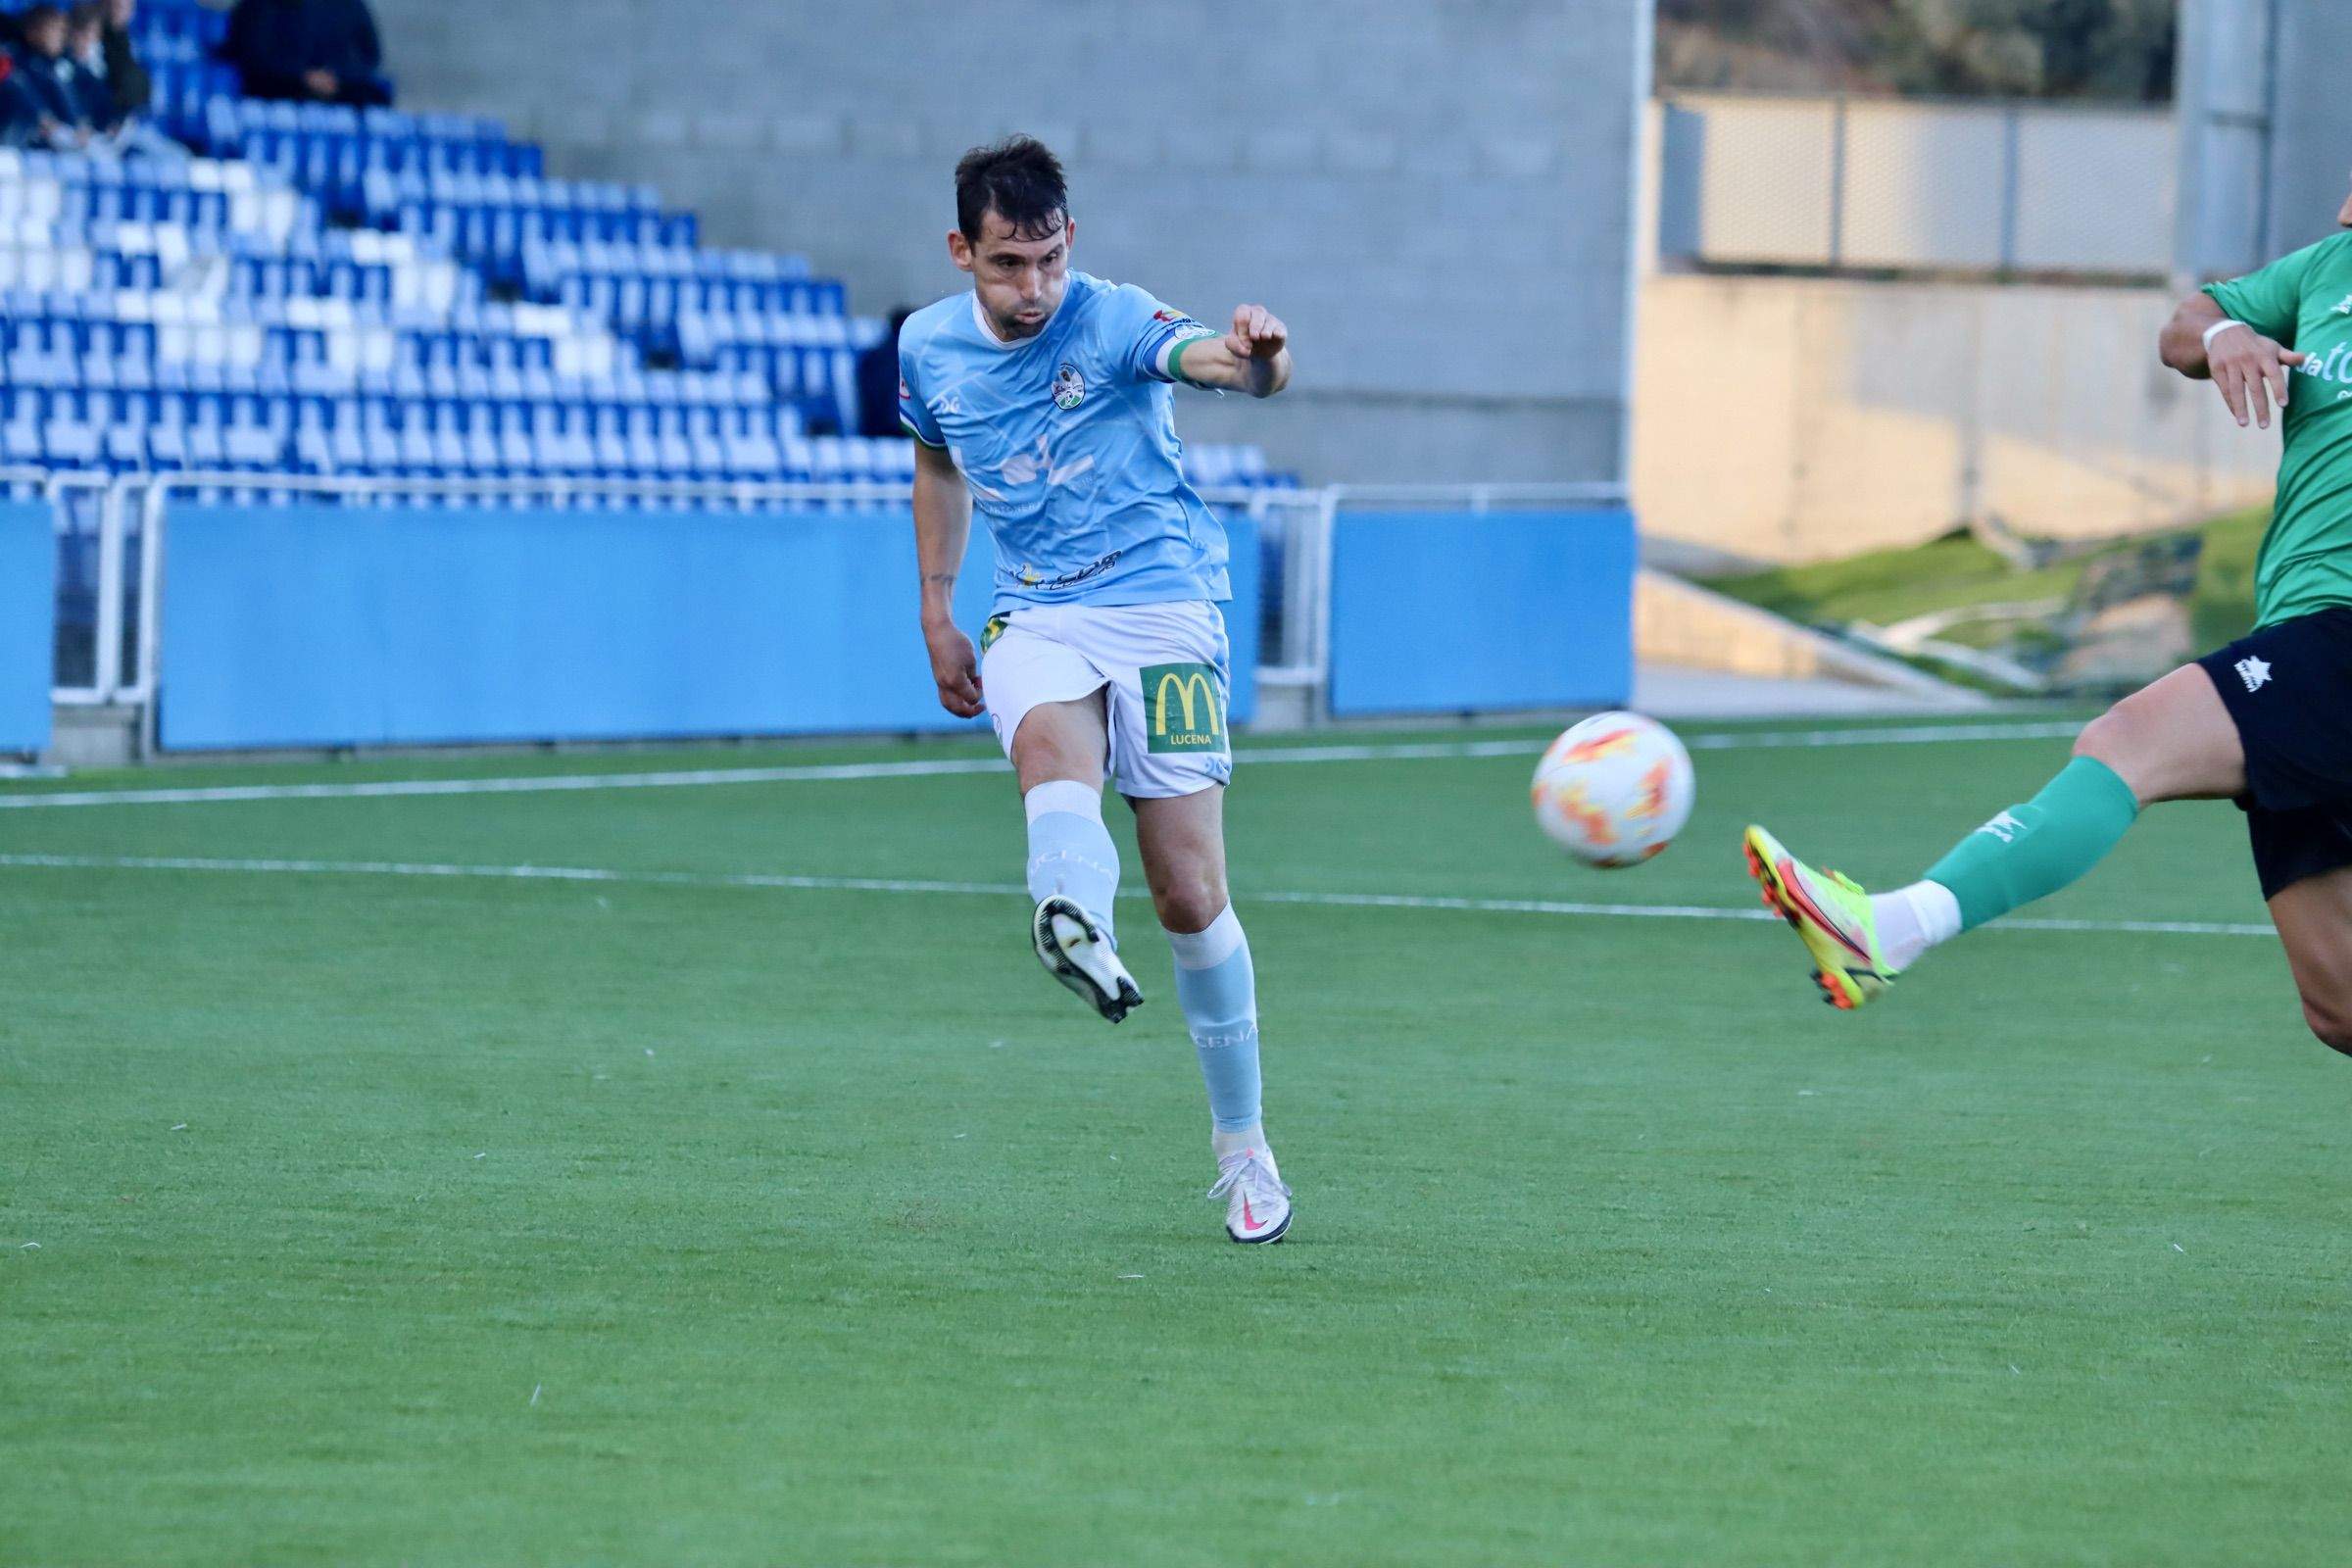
{"x":1183,"y":708}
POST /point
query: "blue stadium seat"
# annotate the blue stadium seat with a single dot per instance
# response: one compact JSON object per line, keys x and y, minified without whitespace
{"x":161,"y":315}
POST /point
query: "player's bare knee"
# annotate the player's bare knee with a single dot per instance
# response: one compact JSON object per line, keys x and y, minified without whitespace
{"x":1189,"y":903}
{"x":2111,"y":737}
{"x":2331,"y":1022}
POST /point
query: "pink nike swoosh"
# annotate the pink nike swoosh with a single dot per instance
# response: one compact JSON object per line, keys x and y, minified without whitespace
{"x":1248,"y":1220}
{"x":1829,"y":922}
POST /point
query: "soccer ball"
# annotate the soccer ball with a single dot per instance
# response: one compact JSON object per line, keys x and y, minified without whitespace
{"x":1614,"y":790}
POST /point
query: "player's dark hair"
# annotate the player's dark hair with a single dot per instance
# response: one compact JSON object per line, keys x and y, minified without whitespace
{"x":35,"y":16}
{"x":1020,"y":180}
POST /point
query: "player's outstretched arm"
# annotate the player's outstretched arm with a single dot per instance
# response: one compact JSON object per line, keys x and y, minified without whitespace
{"x":943,"y":524}
{"x":1253,"y":358}
{"x":2247,"y":368}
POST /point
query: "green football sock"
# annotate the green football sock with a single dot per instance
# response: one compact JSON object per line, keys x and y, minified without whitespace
{"x":2031,"y":851}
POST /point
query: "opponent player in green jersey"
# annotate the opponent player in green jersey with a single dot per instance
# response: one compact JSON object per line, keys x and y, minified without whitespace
{"x":2267,"y":722}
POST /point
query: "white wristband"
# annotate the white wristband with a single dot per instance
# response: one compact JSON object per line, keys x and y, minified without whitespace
{"x":2218,"y":329}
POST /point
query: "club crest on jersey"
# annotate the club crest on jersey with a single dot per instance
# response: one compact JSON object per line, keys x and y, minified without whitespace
{"x":1069,"y":387}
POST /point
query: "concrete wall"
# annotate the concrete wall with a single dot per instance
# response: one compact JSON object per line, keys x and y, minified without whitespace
{"x":1436,"y":193}
{"x":2266,"y":130}
{"x":2312,"y":143}
{"x":1684,"y":626}
{"x":1795,"y":420}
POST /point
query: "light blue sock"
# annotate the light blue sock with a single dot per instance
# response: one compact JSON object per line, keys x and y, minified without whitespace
{"x":1070,"y":851}
{"x":1218,"y":990}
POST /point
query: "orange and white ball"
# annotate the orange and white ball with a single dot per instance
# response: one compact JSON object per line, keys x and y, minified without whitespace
{"x":1614,"y":790}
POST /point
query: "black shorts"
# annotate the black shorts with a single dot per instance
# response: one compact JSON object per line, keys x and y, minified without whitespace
{"x":2289,"y":689}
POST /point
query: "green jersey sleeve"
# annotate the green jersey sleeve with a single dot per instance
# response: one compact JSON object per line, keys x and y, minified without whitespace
{"x":2270,"y":300}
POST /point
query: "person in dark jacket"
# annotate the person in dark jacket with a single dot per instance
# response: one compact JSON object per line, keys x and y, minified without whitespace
{"x":322,"y":51}
{"x":126,"y":81}
{"x":42,"y":83}
{"x":878,"y":382}
{"x":101,"y":94}
{"x":18,"y":127}
{"x":84,"y":67}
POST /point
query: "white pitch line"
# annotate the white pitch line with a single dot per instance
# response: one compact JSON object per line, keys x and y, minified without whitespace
{"x":543,"y":784}
{"x":875,"y":884}
{"x":830,"y":772}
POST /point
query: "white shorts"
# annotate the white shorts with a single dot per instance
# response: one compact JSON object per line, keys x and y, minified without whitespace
{"x":1168,"y":668}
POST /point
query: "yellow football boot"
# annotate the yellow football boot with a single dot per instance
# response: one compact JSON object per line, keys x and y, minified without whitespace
{"x":1832,"y":914}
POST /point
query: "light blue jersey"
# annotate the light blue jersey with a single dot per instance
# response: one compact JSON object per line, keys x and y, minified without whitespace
{"x":1069,"y":442}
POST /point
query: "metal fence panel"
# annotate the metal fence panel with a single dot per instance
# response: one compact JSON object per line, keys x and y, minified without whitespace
{"x":1280,"y":625}
{"x":2095,"y":193}
{"x":28,"y":586}
{"x":1549,"y":594}
{"x":1914,"y":187}
{"x":1764,"y":192}
{"x":1925,"y":186}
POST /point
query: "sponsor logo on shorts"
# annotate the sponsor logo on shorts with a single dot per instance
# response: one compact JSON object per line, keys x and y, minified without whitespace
{"x":2254,"y":672}
{"x":1181,"y":708}
{"x":993,"y":630}
{"x":1069,"y":387}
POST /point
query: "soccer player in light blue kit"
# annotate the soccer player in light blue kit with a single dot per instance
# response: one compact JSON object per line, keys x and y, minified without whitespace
{"x":1044,"y":398}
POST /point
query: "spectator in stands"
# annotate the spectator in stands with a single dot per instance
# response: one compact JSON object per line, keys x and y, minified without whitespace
{"x":17,"y":124}
{"x":322,"y":51}
{"x":878,"y":382}
{"x":42,"y":83}
{"x":84,"y":67}
{"x":127,"y":79}
{"x":93,"y":79}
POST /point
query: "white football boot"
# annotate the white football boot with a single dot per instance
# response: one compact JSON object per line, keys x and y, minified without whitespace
{"x":1076,"y":952}
{"x":1257,"y":1205}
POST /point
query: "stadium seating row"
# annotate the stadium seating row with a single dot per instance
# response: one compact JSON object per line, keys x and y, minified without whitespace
{"x":228,"y":119}
{"x":18,"y":164}
{"x":622,"y":388}
{"x":79,"y":270}
{"x":388,"y":190}
{"x":381,"y":293}
{"x":77,"y":199}
{"x":494,"y":236}
{"x":382,"y":439}
{"x":547,"y":263}
{"x":176,"y":243}
{"x":182,"y":89}
{"x":141,"y":410}
{"x":651,"y":301}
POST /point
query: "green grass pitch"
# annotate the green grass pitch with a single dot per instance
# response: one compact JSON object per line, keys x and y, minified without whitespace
{"x":352,"y":1217}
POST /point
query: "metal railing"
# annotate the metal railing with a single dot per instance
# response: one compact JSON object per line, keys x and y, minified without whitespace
{"x":86,"y":511}
{"x":129,"y":514}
